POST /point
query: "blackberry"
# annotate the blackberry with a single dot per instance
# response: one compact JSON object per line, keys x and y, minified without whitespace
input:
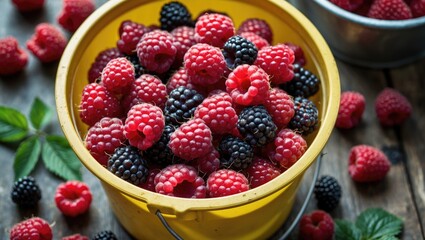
{"x":175,"y":14}
{"x":138,"y":68}
{"x":306,"y":117}
{"x":181,"y":105}
{"x":304,"y":83}
{"x":238,"y":50}
{"x":235,"y":153}
{"x":327,"y":192}
{"x":105,"y":235}
{"x":128,"y":164}
{"x":256,"y":126}
{"x":160,"y":153}
{"x":25,"y":192}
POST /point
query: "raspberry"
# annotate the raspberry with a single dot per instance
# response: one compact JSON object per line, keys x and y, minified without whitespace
{"x":367,"y":164}
{"x":258,"y":41}
{"x":277,"y":62}
{"x":349,"y":5}
{"x":156,"y":51}
{"x":118,"y":75}
{"x":210,"y":11}
{"x":32,"y":228}
{"x":208,"y":163}
{"x":138,"y":68}
{"x":191,"y":140}
{"x":351,"y":108}
{"x":303,"y":84}
{"x":238,"y":50}
{"x":26,"y":192}
{"x":105,"y":235}
{"x":180,"y":78}
{"x":130,"y":34}
{"x":248,"y":85}
{"x":174,"y":14}
{"x":144,"y":125}
{"x":327,"y":192}
{"x":128,"y":164}
{"x":74,"y":12}
{"x":76,"y":236}
{"x":225,"y":182}
{"x":280,"y":106}
{"x":100,"y":62}
{"x":392,"y":108}
{"x":287,"y":148}
{"x":256,"y":126}
{"x":12,"y":58}
{"x":73,"y":198}
{"x":306,"y":117}
{"x":257,"y":26}
{"x":28,"y":6}
{"x":47,"y":43}
{"x":261,"y":171}
{"x":298,"y":53}
{"x":318,"y":225}
{"x":180,"y":180}
{"x":214,"y":29}
{"x":160,"y":153}
{"x":181,"y":105}
{"x":96,"y":103}
{"x":204,"y":64}
{"x":418,"y":8}
{"x":389,"y":10}
{"x":149,"y":184}
{"x":235,"y":153}
{"x":184,"y":38}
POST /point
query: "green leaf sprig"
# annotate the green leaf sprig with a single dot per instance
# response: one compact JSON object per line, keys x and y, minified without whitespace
{"x":55,"y":151}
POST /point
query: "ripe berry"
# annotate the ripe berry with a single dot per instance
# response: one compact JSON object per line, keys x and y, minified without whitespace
{"x":238,"y":50}
{"x":298,"y":53}
{"x":351,"y":108}
{"x":258,"y":41}
{"x":105,"y":235}
{"x":160,"y":153}
{"x":367,"y":164}
{"x":180,"y":78}
{"x":225,"y":182}
{"x":306,"y":117}
{"x":303,"y":84}
{"x":130,"y":34}
{"x":261,"y":171}
{"x":208,"y":163}
{"x":26,"y":192}
{"x":74,"y":12}
{"x":47,"y":43}
{"x":118,"y":76}
{"x":149,"y":184}
{"x":327,"y":192}
{"x":173,"y":15}
{"x":184,"y":38}
{"x":100,"y":62}
{"x":235,"y":153}
{"x":257,"y":26}
{"x":181,"y":105}
{"x":349,"y":5}
{"x":32,"y":228}
{"x":76,"y":236}
{"x":392,"y":108}
{"x":138,"y":68}
{"x":12,"y":58}
{"x":418,"y":8}
{"x":214,"y":29}
{"x":28,"y":6}
{"x":280,"y":106}
{"x":389,"y":10}
{"x":73,"y":198}
{"x":128,"y":164}
{"x":317,"y":225}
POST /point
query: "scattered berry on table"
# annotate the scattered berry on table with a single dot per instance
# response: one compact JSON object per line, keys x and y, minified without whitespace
{"x":280,"y":106}
{"x":130,"y":34}
{"x":257,"y":26}
{"x":208,"y":163}
{"x":105,"y":235}
{"x":28,"y":6}
{"x":32,"y":228}
{"x":349,"y":5}
{"x":180,"y":78}
{"x":74,"y":12}
{"x":100,"y":62}
{"x":225,"y":182}
{"x":184,"y":38}
{"x":138,"y":68}
{"x":367,"y":164}
{"x":76,"y":236}
{"x":214,"y":29}
{"x":73,"y":198}
{"x":128,"y":164}
{"x":235,"y":153}
{"x":351,"y":108}
{"x":118,"y":76}
{"x":300,"y":58}
{"x":47,"y":43}
{"x":392,"y":107}
{"x":181,"y":105}
{"x":258,"y":41}
{"x":261,"y":171}
{"x":26,"y":192}
{"x":13,"y":58}
{"x":149,"y":184}
{"x":418,"y":8}
{"x":306,"y":117}
{"x":316,"y":225}
{"x":174,"y":14}
{"x":238,"y":50}
{"x":389,"y":10}
{"x":160,"y":153}
{"x":303,"y":84}
{"x":327,"y":192}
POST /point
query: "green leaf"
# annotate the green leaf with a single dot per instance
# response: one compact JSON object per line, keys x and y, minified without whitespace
{"x":376,"y":223}
{"x":345,"y":230}
{"x":59,"y":158}
{"x":13,"y":125}
{"x":26,"y":157}
{"x":40,"y":114}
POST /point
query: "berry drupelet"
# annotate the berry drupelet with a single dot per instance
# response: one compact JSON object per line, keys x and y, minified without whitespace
{"x":173,"y":15}
{"x":327,"y":192}
{"x":181,"y":105}
{"x":239,"y":50}
{"x":235,"y":153}
{"x":304,"y":83}
{"x":26,"y":192}
{"x":306,"y":118}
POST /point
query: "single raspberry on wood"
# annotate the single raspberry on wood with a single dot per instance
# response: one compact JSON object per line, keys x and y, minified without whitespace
{"x":392,"y":107}
{"x":130,"y":34}
{"x":280,"y":106}
{"x":26,"y":192}
{"x":261,"y":171}
{"x":258,"y":41}
{"x":351,"y":108}
{"x":118,"y":76}
{"x":73,"y":198}
{"x":317,"y":225}
{"x":47,"y":43}
{"x":225,"y":182}
{"x":214,"y":29}
{"x":74,"y":12}
{"x":12,"y":57}
{"x":257,"y":26}
{"x":389,"y":10}
{"x":28,"y":6}
{"x":100,"y":62}
{"x":32,"y":228}
{"x":367,"y":164}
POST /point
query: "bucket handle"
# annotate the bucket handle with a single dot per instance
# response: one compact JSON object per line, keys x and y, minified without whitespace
{"x":288,"y":231}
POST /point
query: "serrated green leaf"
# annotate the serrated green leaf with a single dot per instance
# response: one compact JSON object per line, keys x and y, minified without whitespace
{"x":60,"y":159}
{"x":389,"y":238}
{"x":40,"y":114}
{"x":26,"y":157}
{"x":13,"y":125}
{"x":376,"y":223}
{"x":345,"y":230}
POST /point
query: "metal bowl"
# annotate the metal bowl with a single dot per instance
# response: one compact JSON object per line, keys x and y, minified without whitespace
{"x":365,"y":41}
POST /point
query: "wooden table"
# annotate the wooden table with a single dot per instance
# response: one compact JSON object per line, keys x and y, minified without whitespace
{"x":401,"y":193}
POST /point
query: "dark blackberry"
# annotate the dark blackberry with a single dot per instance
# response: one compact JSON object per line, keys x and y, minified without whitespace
{"x":25,"y":192}
{"x":173,"y":15}
{"x":327,"y":192}
{"x":256,"y":126}
{"x":304,"y":83}
{"x":238,"y":50}
{"x":160,"y":153}
{"x":138,"y":68}
{"x":306,"y":117}
{"x":181,"y":105}
{"x":128,"y":164}
{"x":105,"y":235}
{"x":235,"y":153}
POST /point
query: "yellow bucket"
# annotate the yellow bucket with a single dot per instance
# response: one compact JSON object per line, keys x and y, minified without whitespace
{"x":255,"y":214}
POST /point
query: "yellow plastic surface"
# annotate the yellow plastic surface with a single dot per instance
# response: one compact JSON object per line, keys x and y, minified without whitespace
{"x":255,"y":214}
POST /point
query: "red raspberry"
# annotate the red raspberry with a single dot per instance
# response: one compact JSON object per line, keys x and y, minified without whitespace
{"x":214,"y":29}
{"x":47,"y":43}
{"x":277,"y":61}
{"x":204,"y":64}
{"x":130,"y":34}
{"x":191,"y":140}
{"x":280,"y":106}
{"x":73,"y":198}
{"x":74,"y":12}
{"x":96,"y":103}
{"x":149,"y":184}
{"x":180,"y":78}
{"x":118,"y":75}
{"x":144,"y":125}
{"x":349,"y":5}
{"x":258,"y":41}
{"x":248,"y":85}
{"x":76,"y":236}
{"x":100,"y":62}
{"x":12,"y":58}
{"x":32,"y":228}
{"x":184,"y":38}
{"x":207,"y":163}
{"x":389,"y":10}
{"x":367,"y":164}
{"x":257,"y":26}
{"x":156,"y":51}
{"x":103,"y":137}
{"x":146,"y":89}
{"x":351,"y":108}
{"x":221,"y":94}
{"x":225,"y":182}
{"x":180,"y":180}
{"x":298,"y":53}
{"x":261,"y":171}
{"x":318,"y":225}
{"x":28,"y":5}
{"x":392,"y":108}
{"x":418,"y":8}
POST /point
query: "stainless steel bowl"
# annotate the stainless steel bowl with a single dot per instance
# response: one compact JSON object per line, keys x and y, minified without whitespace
{"x":365,"y":41}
